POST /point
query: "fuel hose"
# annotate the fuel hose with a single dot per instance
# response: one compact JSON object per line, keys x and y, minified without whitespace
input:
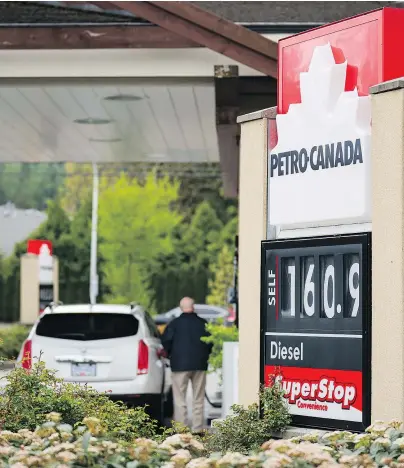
{"x":213,"y":404}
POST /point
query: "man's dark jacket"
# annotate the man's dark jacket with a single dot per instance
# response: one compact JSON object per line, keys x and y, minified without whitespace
{"x":182,"y":342}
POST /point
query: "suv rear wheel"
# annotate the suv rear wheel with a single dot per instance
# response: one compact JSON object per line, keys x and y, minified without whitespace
{"x":155,"y":409}
{"x":169,"y":405}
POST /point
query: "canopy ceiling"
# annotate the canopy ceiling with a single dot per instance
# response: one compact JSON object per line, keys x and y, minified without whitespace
{"x":147,"y":120}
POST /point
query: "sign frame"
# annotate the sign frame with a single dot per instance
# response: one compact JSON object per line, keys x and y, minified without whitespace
{"x":365,"y":241}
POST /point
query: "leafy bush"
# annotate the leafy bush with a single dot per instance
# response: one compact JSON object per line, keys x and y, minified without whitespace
{"x":246,"y":429}
{"x":219,"y":334}
{"x":381,"y":445}
{"x":58,"y":444}
{"x":31,"y":394}
{"x":11,"y":340}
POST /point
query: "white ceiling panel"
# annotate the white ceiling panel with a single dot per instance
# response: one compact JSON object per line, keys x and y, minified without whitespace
{"x":206,"y":101}
{"x":165,"y":122}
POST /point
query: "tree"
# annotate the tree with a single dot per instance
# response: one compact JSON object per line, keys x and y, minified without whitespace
{"x":71,"y":244}
{"x":77,"y":186}
{"x":199,"y":244}
{"x":222,"y":277}
{"x":222,"y":270}
{"x":30,"y":185}
{"x":137,"y":223}
{"x":185,"y":271}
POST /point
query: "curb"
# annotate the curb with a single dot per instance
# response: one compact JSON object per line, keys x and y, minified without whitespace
{"x":7,"y":365}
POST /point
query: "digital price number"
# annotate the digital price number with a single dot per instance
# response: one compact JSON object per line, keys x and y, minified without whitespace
{"x":334,"y":289}
{"x":46,"y":295}
{"x":315,"y":327}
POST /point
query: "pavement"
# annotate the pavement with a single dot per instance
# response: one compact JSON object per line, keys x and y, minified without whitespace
{"x":3,"y":374}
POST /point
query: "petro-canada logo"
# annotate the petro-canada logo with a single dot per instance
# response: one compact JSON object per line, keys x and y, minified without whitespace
{"x":319,"y":171}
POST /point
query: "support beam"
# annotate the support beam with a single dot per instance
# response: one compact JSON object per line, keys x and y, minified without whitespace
{"x":252,"y":230}
{"x":228,"y":131}
{"x":208,"y":30}
{"x":225,"y":28}
{"x":91,"y":37}
{"x":387,"y":250}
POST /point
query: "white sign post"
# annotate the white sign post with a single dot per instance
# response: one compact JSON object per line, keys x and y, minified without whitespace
{"x":45,"y":262}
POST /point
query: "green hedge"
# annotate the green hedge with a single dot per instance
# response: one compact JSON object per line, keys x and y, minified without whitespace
{"x":30,"y":395}
{"x":57,"y":444}
{"x":11,"y":340}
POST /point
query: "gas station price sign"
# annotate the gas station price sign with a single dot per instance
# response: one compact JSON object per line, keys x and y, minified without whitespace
{"x":315,"y":304}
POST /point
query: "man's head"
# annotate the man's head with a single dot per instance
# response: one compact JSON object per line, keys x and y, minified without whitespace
{"x":187,"y":305}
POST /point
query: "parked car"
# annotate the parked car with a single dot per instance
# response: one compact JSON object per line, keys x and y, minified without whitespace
{"x":208,"y":312}
{"x":112,"y":348}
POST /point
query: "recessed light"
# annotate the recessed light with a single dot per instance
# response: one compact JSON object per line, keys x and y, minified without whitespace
{"x":157,"y":156}
{"x":105,"y":140}
{"x":92,"y":121}
{"x":123,"y":98}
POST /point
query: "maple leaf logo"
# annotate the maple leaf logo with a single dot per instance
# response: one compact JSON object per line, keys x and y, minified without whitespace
{"x":307,"y":187}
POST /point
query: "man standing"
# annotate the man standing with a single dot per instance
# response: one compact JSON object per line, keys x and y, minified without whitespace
{"x":189,"y":362}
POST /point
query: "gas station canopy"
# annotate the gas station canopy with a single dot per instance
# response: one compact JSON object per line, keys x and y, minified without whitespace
{"x":147,"y":120}
{"x":139,"y":81}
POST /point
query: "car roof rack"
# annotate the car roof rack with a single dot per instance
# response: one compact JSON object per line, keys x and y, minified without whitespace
{"x":54,"y":304}
{"x":136,"y":308}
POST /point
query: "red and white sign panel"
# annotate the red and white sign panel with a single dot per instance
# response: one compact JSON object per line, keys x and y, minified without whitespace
{"x":34,"y":246}
{"x":320,"y":393}
{"x":369,"y":43}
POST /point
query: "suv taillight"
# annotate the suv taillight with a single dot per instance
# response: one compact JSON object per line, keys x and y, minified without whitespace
{"x":143,"y":358}
{"x":27,"y":355}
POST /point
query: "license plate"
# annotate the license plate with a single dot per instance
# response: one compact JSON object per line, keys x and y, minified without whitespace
{"x":84,"y":370}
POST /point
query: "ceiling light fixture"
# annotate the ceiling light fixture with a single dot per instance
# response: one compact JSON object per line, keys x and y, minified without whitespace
{"x":157,"y":156}
{"x":123,"y":98}
{"x":105,"y":140}
{"x":92,"y":121}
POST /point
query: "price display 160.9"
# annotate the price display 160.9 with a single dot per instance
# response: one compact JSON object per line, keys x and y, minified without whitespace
{"x":315,"y":327}
{"x":333,"y":298}
{"x":314,"y":283}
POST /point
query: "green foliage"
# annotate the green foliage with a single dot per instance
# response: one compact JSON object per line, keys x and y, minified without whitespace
{"x":137,"y":223}
{"x":30,"y":185}
{"x":71,"y":244}
{"x":185,"y":271}
{"x":245,"y":430}
{"x":222,"y":277}
{"x":11,"y":340}
{"x":148,"y":252}
{"x":221,"y":267}
{"x":381,"y":445}
{"x":30,"y":395}
{"x":57,"y":444}
{"x":219,"y":334}
{"x":77,"y":186}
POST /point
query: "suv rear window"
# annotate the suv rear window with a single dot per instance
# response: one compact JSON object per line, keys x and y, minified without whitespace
{"x":87,"y":327}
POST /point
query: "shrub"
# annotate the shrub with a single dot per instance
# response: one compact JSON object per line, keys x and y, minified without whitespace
{"x":219,"y":334}
{"x":57,"y":444}
{"x":30,"y":395}
{"x":246,"y":429}
{"x":381,"y":445}
{"x":11,"y":340}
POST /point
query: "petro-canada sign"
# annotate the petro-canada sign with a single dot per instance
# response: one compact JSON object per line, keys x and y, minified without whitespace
{"x":319,"y":171}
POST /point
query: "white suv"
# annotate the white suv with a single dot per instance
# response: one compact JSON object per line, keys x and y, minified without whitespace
{"x":112,"y":348}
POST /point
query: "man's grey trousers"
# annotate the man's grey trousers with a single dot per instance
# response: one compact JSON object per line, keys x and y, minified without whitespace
{"x":180,"y":382}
